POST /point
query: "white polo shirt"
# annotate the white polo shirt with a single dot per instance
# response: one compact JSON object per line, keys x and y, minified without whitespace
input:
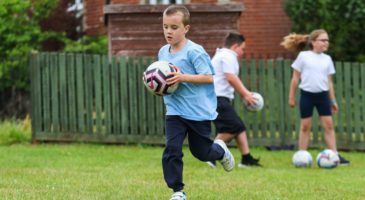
{"x":224,"y":61}
{"x":314,"y":69}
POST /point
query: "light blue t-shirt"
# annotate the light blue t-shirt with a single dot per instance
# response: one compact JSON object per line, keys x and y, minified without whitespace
{"x":191,"y":101}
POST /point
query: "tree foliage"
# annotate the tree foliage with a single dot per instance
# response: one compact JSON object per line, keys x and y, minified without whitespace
{"x":342,"y":19}
{"x":87,"y":44}
{"x":20,"y":33}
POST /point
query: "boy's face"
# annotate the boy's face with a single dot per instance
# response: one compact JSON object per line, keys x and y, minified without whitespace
{"x":173,"y":28}
{"x":239,"y":49}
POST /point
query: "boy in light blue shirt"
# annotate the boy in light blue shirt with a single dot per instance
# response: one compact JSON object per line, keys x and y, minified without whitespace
{"x":192,"y":107}
{"x":193,"y":101}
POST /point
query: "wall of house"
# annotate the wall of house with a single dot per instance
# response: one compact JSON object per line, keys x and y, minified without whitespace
{"x":129,"y":35}
{"x":94,"y":15}
{"x":263,"y":22}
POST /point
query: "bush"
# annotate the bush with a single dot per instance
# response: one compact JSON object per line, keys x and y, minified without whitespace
{"x":342,"y":19}
{"x":15,"y":131}
{"x":88,"y":44}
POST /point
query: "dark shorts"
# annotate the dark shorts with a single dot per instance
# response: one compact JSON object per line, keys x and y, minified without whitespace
{"x":320,"y":101}
{"x":228,"y":120}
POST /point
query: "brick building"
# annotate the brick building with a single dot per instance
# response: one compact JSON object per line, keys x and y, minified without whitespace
{"x":263,"y":22}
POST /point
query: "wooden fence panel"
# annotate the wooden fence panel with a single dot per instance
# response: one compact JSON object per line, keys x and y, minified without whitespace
{"x":106,"y":94}
{"x":262,"y":90}
{"x":271,"y":94}
{"x":51,"y":73}
{"x":288,"y":119}
{"x":89,"y":98}
{"x":80,"y":93}
{"x":355,"y":100}
{"x":347,"y":98}
{"x":339,"y":118}
{"x":71,"y":92}
{"x":35,"y":88}
{"x":46,"y":92}
{"x":63,"y":105}
{"x":280,"y":99}
{"x":124,"y":103}
{"x":78,"y":97}
{"x":362,"y":102}
{"x":98,"y":94}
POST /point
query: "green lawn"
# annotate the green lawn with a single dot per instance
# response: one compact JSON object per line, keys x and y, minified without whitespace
{"x":86,"y":171}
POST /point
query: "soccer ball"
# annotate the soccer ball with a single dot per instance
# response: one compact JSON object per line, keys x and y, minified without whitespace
{"x":259,"y":103}
{"x":302,"y":158}
{"x":154,"y":78}
{"x":327,"y":159}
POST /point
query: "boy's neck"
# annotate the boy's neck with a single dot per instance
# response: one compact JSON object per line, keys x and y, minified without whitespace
{"x":178,"y":46}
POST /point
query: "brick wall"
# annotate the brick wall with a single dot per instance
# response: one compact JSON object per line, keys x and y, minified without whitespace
{"x":263,"y":22}
{"x":94,"y":16}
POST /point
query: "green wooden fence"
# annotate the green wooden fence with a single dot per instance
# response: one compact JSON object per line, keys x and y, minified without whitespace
{"x":91,"y":98}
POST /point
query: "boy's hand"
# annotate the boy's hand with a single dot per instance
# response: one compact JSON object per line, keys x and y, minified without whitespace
{"x":250,"y":99}
{"x":175,"y":77}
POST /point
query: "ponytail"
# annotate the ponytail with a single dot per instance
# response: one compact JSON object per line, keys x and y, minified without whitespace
{"x":295,"y":42}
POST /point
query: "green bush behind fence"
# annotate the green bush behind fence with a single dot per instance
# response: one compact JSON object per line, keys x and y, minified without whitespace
{"x":92,"y":98}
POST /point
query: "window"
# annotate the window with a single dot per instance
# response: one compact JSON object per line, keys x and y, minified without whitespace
{"x":165,"y":2}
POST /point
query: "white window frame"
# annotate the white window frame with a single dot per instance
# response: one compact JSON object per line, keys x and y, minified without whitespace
{"x":163,"y":2}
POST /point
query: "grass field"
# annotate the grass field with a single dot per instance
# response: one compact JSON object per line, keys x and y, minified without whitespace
{"x":87,"y":171}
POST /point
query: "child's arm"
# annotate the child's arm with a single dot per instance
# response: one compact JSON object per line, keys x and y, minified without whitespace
{"x":332,"y":95}
{"x":237,"y":84}
{"x":293,"y":87}
{"x":190,"y":78}
{"x":178,"y":77}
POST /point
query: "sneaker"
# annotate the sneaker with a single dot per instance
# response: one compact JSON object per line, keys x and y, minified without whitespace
{"x":343,"y":161}
{"x":212,"y":164}
{"x":252,"y":162}
{"x":178,"y":196}
{"x":228,"y":159}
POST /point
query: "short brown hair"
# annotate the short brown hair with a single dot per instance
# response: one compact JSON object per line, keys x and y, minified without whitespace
{"x":178,"y":8}
{"x":233,"y":38}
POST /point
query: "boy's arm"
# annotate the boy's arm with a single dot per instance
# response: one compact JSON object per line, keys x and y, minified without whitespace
{"x":197,"y":78}
{"x":178,"y":77}
{"x":237,"y":84}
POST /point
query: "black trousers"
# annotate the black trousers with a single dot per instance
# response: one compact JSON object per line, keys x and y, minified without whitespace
{"x":200,"y":145}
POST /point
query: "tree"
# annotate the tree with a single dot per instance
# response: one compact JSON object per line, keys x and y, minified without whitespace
{"x":20,"y":33}
{"x":342,"y":19}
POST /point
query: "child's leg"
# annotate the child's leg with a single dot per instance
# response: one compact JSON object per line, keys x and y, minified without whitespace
{"x":172,"y":162}
{"x":200,"y":143}
{"x":304,"y":135}
{"x":329,"y":131}
{"x":306,"y":106}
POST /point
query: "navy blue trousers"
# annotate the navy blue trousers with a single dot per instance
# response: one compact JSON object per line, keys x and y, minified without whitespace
{"x":200,"y":145}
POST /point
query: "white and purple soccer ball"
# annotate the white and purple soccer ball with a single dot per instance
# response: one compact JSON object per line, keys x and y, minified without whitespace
{"x":328,"y":159}
{"x":154,"y":78}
